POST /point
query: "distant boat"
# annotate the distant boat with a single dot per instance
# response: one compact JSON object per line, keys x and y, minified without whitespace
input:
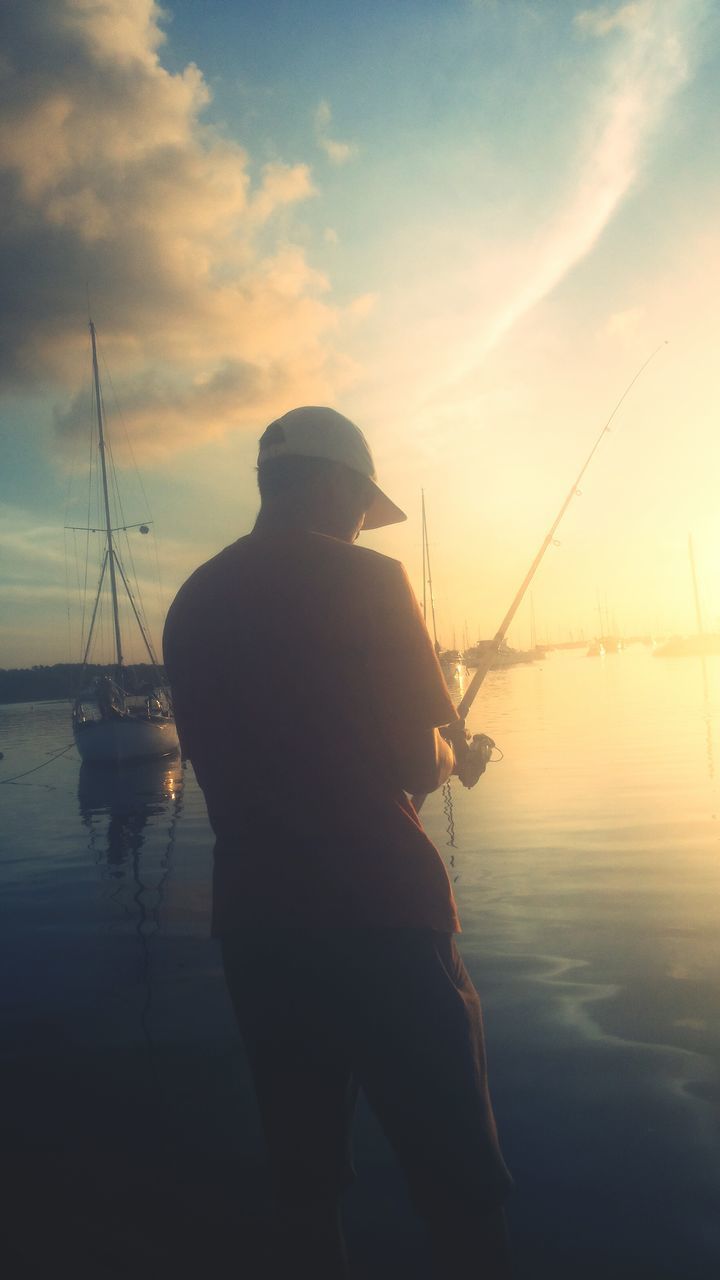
{"x":701,"y":645}
{"x":603,"y":645}
{"x":505,"y":656}
{"x":118,"y":717}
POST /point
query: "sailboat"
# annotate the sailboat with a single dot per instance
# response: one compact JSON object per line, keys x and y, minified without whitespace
{"x":117,"y":717}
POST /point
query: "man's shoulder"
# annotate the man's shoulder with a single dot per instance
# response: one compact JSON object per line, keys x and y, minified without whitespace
{"x":356,"y":558}
{"x":219,"y":564}
{"x":317,"y":552}
{"x":205,"y":578}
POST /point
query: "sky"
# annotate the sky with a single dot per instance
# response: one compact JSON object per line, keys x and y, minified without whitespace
{"x":467,"y":226}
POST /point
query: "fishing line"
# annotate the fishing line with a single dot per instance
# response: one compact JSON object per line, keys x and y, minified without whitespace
{"x":485,"y":662}
{"x":447,"y":798}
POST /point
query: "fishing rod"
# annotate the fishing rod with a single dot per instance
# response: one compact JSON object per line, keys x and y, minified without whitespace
{"x":491,"y":648}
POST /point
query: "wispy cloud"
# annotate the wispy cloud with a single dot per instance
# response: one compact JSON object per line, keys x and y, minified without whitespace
{"x":624,"y":325}
{"x":337,"y":152}
{"x":641,"y":78}
{"x":43,"y":569}
{"x":604,"y":19}
{"x":109,"y":176}
{"x":28,"y":544}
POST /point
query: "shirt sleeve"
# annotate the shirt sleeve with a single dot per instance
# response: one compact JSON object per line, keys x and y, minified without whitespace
{"x":410,"y":689}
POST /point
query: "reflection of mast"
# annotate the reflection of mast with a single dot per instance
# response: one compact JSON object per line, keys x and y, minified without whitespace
{"x":709,"y":744}
{"x":696,"y":593}
{"x":135,"y":800}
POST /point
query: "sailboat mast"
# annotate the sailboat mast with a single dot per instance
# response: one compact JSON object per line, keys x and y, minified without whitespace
{"x":108,"y":522}
{"x":424,"y":558}
{"x":426,"y":564}
{"x":698,"y":611}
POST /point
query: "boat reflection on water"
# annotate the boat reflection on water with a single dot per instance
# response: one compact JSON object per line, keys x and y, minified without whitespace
{"x":456,"y":677}
{"x":131,"y":814}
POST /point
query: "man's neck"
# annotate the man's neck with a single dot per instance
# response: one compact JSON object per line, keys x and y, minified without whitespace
{"x":281,"y":521}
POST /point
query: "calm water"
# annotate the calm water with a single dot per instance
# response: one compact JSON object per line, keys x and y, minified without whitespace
{"x":587,"y":870}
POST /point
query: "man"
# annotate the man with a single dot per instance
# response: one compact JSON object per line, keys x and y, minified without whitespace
{"x":309,"y":699}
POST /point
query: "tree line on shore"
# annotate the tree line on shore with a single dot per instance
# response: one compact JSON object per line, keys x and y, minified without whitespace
{"x":62,"y":681}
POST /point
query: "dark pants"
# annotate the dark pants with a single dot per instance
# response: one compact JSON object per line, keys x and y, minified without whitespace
{"x":393,"y":1011}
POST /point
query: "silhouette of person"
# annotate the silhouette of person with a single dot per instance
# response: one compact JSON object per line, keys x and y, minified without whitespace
{"x":309,"y":698}
{"x":109,"y":699}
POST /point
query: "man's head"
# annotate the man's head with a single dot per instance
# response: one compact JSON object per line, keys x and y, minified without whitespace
{"x":315,"y":470}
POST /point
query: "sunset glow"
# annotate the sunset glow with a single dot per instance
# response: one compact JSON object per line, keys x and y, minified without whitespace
{"x":466,"y":226}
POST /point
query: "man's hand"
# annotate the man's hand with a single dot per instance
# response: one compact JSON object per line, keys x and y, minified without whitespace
{"x":471,"y":754}
{"x":471,"y":768}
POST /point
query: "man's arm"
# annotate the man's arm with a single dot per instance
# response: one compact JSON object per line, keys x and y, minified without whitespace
{"x":427,"y":761}
{"x":423,"y":762}
{"x":409,"y":690}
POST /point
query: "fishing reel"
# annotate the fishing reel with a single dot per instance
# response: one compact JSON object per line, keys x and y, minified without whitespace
{"x":472,"y":754}
{"x":478,"y":752}
{"x":482,"y":745}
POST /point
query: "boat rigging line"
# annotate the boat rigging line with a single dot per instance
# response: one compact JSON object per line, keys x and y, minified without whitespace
{"x":111,"y":560}
{"x":427,"y":574}
{"x":4,"y":782}
{"x":121,"y":717}
{"x":492,"y":646}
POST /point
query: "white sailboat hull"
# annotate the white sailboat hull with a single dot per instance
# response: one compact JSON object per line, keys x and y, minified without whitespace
{"x":117,"y":741}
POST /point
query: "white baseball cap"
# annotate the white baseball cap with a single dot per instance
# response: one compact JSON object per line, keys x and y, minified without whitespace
{"x":314,"y":431}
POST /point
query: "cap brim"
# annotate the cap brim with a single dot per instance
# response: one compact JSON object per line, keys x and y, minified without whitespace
{"x":382,"y":511}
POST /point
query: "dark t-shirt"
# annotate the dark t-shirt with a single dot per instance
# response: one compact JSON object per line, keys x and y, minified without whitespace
{"x":297,"y":662}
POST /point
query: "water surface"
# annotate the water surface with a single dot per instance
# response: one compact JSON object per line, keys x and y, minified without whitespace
{"x":587,"y":870}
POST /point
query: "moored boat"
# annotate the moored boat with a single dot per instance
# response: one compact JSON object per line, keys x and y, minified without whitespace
{"x":118,"y":728}
{"x":117,"y":718}
{"x":504,"y":655}
{"x":700,"y":646}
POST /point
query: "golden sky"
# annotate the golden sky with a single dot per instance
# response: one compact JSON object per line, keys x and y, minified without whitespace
{"x":466,"y":226}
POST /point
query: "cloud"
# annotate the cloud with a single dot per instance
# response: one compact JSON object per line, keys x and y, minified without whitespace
{"x":29,"y":545}
{"x":624,"y":324}
{"x":363,"y":305}
{"x":210,"y":316}
{"x":165,"y":414}
{"x":641,"y":79}
{"x":336,"y":152}
{"x":44,"y":575}
{"x":603,"y":20}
